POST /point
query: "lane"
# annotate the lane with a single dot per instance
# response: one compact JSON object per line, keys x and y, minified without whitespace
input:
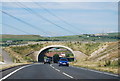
{"x":9,"y":70}
{"x":53,"y":71}
{"x":38,"y":71}
{"x":79,"y":73}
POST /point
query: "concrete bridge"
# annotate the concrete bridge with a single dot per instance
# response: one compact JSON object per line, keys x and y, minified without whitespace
{"x":38,"y":55}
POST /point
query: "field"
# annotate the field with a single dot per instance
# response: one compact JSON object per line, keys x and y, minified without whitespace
{"x":83,"y":37}
{"x":20,"y":37}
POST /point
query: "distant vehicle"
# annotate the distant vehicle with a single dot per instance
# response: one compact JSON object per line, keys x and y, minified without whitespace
{"x":47,"y":60}
{"x":63,"y":62}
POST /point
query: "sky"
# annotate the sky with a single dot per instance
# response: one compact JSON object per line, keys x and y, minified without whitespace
{"x":59,"y":18}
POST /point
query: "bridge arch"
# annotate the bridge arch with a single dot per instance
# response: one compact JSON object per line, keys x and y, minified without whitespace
{"x":40,"y":53}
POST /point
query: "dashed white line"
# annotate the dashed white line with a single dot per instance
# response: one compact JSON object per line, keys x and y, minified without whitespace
{"x":52,"y":66}
{"x":62,"y":72}
{"x":67,"y":75}
{"x":14,"y":72}
{"x":57,"y":70}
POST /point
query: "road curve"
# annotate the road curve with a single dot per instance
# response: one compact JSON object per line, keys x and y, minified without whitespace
{"x":53,"y":71}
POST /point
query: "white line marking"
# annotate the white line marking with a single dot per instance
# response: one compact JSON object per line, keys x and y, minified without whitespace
{"x":57,"y":70}
{"x":52,"y":66}
{"x":62,"y":72}
{"x":67,"y":75}
{"x":95,"y":71}
{"x":111,"y":74}
{"x":14,"y":72}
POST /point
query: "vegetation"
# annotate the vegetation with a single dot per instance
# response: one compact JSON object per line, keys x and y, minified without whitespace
{"x":22,"y":50}
{"x":106,"y":60}
{"x":20,"y":37}
{"x":1,"y":58}
{"x":83,"y":37}
{"x":56,"y":58}
{"x":69,"y":55}
{"x":97,"y":66}
{"x":86,"y":48}
{"x":16,"y":57}
{"x":91,"y":37}
{"x":5,"y":66}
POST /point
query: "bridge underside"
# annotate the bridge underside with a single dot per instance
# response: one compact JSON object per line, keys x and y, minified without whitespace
{"x":42,"y":54}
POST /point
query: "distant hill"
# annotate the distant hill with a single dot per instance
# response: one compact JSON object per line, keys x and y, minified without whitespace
{"x":83,"y":37}
{"x":91,"y":37}
{"x":20,"y":37}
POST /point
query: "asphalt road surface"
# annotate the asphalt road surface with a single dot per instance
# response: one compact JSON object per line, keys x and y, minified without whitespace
{"x":53,"y":71}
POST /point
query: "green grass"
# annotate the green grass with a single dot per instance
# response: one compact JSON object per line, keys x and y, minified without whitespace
{"x":110,"y":37}
{"x":86,"y":48}
{"x":23,"y":50}
{"x":20,"y":37}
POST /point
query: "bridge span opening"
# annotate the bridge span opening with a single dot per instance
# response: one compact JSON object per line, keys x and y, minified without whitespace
{"x":56,"y":50}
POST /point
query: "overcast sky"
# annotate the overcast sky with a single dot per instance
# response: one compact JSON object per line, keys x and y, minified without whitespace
{"x":82,"y":17}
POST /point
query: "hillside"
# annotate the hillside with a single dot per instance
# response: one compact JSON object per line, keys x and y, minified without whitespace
{"x":20,"y":37}
{"x":86,"y":48}
{"x":105,"y":58}
{"x":110,"y":52}
{"x":91,"y":37}
{"x":83,"y":37}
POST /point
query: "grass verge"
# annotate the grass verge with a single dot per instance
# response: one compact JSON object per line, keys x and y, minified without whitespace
{"x":6,"y":66}
{"x":95,"y":66}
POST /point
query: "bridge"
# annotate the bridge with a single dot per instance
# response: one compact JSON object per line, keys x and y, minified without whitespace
{"x":39,"y":55}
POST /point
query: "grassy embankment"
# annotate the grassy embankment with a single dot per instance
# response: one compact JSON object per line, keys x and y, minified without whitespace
{"x":18,"y":52}
{"x":86,"y":48}
{"x":6,"y":66}
{"x":106,"y":60}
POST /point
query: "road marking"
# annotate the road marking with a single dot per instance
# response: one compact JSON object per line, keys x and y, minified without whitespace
{"x":52,"y":66}
{"x":62,"y":72}
{"x":96,"y":71}
{"x":111,"y":74}
{"x":14,"y":72}
{"x":57,"y":70}
{"x":67,"y":75}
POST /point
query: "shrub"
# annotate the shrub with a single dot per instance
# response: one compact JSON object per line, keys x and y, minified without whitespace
{"x":107,"y":63}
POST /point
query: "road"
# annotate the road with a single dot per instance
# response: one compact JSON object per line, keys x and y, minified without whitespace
{"x":53,"y":71}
